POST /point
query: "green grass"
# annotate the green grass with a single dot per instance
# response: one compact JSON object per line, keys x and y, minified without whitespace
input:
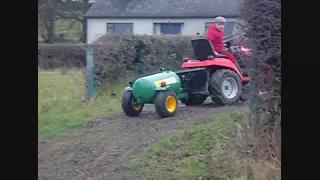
{"x":62,"y":106}
{"x":192,"y":151}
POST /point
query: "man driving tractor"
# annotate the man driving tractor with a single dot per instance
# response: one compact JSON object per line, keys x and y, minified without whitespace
{"x":215,"y":36}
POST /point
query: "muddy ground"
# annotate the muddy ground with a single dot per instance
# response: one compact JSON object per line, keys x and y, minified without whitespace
{"x":99,"y":150}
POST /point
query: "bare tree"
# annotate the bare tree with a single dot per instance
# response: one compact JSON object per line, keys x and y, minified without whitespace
{"x":50,"y":11}
{"x":74,"y":10}
{"x":46,"y":19}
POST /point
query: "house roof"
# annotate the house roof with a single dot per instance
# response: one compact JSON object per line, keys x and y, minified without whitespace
{"x":163,"y":8}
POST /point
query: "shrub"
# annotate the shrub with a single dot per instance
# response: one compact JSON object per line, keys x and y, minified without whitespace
{"x":116,"y":56}
{"x":262,"y":20}
{"x":52,"y":56}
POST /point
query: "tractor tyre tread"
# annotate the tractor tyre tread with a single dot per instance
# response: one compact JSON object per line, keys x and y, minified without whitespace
{"x":215,"y":84}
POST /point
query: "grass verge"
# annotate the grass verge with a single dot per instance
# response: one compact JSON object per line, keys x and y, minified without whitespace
{"x":190,"y":152}
{"x":62,"y":106}
{"x":205,"y":150}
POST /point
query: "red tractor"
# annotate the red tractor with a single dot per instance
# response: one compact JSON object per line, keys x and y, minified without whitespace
{"x":212,"y":74}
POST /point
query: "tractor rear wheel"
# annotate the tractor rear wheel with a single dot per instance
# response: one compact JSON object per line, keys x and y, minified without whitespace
{"x":225,"y":87}
{"x":128,"y":106}
{"x":166,"y":103}
{"x":194,"y":100}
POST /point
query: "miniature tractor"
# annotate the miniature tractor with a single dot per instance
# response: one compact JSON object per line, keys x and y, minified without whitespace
{"x":208,"y":74}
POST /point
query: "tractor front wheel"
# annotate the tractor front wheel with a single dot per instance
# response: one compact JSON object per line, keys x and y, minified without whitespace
{"x":166,"y":103}
{"x":225,"y":87}
{"x":128,"y":105}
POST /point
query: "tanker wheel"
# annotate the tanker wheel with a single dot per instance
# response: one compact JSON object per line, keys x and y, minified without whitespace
{"x":166,"y":103}
{"x":128,"y":106}
{"x":194,"y":100}
{"x":225,"y":87}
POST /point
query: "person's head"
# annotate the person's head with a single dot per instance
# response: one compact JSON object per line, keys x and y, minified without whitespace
{"x":219,"y":22}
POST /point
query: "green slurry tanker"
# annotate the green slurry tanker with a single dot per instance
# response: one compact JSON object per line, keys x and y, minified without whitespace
{"x":209,"y":74}
{"x":161,"y":89}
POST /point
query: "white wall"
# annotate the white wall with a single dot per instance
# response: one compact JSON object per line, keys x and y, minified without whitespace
{"x":98,"y":27}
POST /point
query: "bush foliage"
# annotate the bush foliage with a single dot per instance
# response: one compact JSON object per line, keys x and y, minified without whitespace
{"x":262,"y":30}
{"x":116,"y":56}
{"x":53,"y":56}
{"x":128,"y":55}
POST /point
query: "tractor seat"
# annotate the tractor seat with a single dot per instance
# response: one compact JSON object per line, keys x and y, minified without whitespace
{"x":219,"y":55}
{"x":203,"y":48}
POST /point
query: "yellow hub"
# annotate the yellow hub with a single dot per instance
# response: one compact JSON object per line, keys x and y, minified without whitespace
{"x":171,"y":103}
{"x":136,"y":107}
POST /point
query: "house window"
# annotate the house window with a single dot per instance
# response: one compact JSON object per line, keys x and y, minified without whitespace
{"x":229,"y":28}
{"x":119,"y":28}
{"x":170,"y":28}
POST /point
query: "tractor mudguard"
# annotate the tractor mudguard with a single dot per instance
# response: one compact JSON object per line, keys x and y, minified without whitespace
{"x":223,"y":62}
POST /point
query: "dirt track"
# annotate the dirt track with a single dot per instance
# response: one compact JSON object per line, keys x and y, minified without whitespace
{"x":99,"y":150}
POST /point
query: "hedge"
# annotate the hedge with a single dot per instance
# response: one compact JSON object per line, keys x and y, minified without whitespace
{"x":52,"y":56}
{"x":116,"y":56}
{"x":126,"y":55}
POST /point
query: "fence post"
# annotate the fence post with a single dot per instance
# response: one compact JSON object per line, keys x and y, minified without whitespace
{"x":90,"y":73}
{"x":252,"y":89}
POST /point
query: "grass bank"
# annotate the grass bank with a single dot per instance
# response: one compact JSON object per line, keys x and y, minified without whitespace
{"x":61,"y":102}
{"x":205,"y":150}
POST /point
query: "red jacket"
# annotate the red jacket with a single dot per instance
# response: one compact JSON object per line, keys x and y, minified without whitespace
{"x":216,"y":38}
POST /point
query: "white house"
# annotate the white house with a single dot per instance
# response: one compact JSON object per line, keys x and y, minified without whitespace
{"x":154,"y":17}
